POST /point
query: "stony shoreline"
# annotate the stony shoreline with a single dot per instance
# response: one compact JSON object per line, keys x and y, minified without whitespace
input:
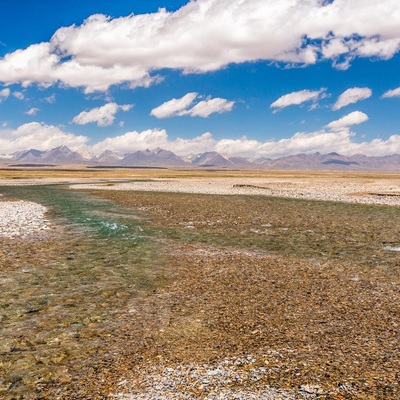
{"x":22,"y":218}
{"x":380,"y":192}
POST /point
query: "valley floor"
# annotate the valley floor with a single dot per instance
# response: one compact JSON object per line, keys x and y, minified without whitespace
{"x":327,"y":188}
{"x":252,"y":297}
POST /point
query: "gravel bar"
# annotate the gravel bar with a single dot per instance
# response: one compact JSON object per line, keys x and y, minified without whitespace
{"x":22,"y":218}
{"x":379,"y":191}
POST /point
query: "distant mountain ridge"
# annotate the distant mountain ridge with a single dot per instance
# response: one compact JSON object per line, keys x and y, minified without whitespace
{"x":155,"y":157}
{"x":61,"y":154}
{"x":211,"y":158}
{"x":335,"y":161}
{"x":160,"y":157}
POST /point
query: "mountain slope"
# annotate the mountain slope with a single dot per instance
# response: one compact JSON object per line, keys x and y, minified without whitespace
{"x":161,"y":157}
{"x":211,"y":158}
{"x":156,"y":157}
{"x":62,"y":154}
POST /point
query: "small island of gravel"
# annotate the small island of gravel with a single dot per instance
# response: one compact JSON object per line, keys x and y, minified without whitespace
{"x":22,"y":218}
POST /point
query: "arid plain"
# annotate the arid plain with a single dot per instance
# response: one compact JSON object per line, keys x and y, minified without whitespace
{"x":210,"y":284}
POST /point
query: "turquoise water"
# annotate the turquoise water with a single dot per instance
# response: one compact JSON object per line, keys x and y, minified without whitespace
{"x":73,"y":208}
{"x":63,"y":296}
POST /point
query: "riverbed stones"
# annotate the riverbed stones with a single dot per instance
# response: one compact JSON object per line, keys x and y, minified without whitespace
{"x":22,"y":218}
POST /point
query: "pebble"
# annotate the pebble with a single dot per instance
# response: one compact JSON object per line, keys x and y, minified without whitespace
{"x":213,"y":381}
{"x":22,"y":218}
{"x":378,"y":191}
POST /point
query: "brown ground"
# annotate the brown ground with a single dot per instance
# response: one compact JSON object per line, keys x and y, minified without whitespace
{"x":304,"y":288}
{"x":78,"y":172}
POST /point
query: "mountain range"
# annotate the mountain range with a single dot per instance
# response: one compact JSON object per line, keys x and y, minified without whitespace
{"x":164,"y":158}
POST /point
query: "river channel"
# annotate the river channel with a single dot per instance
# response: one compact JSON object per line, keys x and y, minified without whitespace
{"x":62,"y":293}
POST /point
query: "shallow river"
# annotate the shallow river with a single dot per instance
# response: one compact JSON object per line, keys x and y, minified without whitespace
{"x":61,"y":294}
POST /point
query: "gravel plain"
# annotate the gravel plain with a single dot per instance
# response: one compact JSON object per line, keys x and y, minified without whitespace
{"x":281,"y":282}
{"x":21,"y":218}
{"x":177,"y":380}
{"x":368,"y":191}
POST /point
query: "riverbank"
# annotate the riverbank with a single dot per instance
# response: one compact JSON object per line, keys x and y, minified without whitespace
{"x":349,"y":190}
{"x":22,"y":218}
{"x":27,"y":218}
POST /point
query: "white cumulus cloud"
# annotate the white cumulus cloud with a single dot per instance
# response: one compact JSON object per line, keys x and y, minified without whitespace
{"x":341,"y":140}
{"x":103,"y":116}
{"x":132,"y":141}
{"x":354,"y":118}
{"x":324,"y":141}
{"x":297,"y":98}
{"x":105,"y":51}
{"x":184,"y":106}
{"x":19,"y":95}
{"x":210,"y":106}
{"x":351,"y":96}
{"x":4,"y":93}
{"x":174,"y":107}
{"x":32,"y":111}
{"x":51,"y":99}
{"x":153,"y":138}
{"x":392,"y":93}
{"x":36,"y":135}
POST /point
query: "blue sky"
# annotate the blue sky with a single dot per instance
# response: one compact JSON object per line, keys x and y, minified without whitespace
{"x":242,"y":77}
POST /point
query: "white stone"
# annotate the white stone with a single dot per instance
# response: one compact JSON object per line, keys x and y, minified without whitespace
{"x":22,"y":218}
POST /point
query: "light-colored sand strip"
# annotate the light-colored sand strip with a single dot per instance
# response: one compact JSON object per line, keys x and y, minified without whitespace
{"x":379,"y":191}
{"x":22,"y":218}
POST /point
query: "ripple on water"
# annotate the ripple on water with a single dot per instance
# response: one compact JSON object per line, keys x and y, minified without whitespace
{"x":96,"y":216}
